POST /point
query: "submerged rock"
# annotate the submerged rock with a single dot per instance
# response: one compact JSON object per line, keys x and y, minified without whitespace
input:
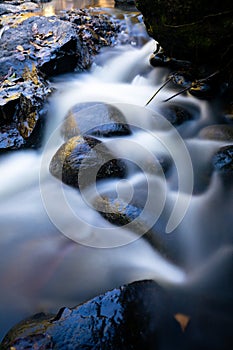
{"x":95,"y":118}
{"x":176,"y":114}
{"x":82,"y":160}
{"x":221,"y":132}
{"x":124,"y":205}
{"x":141,"y":315}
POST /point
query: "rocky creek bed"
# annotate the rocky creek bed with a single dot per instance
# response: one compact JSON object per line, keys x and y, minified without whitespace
{"x":190,"y":309}
{"x":34,"y":48}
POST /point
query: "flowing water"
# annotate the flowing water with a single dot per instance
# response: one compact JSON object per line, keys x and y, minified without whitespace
{"x":56,"y":250}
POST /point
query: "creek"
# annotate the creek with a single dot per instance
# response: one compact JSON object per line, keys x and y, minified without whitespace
{"x":56,"y":250}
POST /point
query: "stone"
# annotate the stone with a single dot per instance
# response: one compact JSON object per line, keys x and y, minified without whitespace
{"x":140,"y":315}
{"x":22,"y":108}
{"x":117,"y":211}
{"x":94,"y":31}
{"x":220,"y":132}
{"x":17,"y":7}
{"x":223,"y":160}
{"x":94,"y":118}
{"x":43,"y":46}
{"x":191,"y":31}
{"x":176,"y":114}
{"x":83,"y":160}
{"x":46,"y":42}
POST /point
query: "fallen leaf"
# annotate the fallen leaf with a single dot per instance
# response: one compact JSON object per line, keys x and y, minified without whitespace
{"x":37,"y":47}
{"x":183,"y":320}
{"x":20,"y":48}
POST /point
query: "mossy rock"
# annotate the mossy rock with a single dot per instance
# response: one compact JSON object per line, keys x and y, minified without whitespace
{"x":191,"y":30}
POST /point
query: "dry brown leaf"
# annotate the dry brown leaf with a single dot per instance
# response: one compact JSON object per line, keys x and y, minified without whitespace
{"x":183,"y":320}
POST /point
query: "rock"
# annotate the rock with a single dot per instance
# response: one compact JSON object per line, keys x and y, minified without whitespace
{"x":17,"y":7}
{"x":94,"y":118}
{"x":22,"y":106}
{"x":124,"y":205}
{"x":46,"y":42}
{"x":140,"y":315}
{"x":55,"y":45}
{"x":97,"y":324}
{"x":223,"y":160}
{"x":94,"y":32}
{"x":176,"y":114}
{"x":36,"y":43}
{"x":191,"y":31}
{"x":221,"y":132}
{"x":43,"y":46}
{"x":117,"y":211}
{"x":82,"y":160}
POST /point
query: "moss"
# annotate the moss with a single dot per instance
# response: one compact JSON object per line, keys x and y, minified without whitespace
{"x":188,"y":33}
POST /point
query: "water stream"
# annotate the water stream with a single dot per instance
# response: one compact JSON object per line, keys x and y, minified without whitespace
{"x":55,"y":248}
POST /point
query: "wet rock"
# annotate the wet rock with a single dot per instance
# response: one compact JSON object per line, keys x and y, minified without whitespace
{"x":124,"y":204}
{"x":141,"y":315}
{"x":82,"y":160}
{"x":159,"y":59}
{"x":94,"y":30}
{"x":221,"y":132}
{"x":223,"y":160}
{"x":17,"y":6}
{"x":47,"y":46}
{"x":46,"y":42}
{"x":55,"y":45}
{"x":176,"y":114}
{"x":22,"y":106}
{"x":116,"y":211}
{"x":35,"y":43}
{"x":94,"y":118}
{"x":206,"y":89}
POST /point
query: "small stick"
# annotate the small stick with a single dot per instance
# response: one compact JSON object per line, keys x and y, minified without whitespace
{"x":178,"y":93}
{"x":161,"y":87}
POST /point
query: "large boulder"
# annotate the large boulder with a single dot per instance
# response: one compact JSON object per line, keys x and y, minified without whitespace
{"x":46,"y":42}
{"x":141,"y":315}
{"x":194,"y":30}
{"x":34,"y":47}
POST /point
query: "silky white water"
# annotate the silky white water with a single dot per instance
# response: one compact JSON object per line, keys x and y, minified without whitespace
{"x":55,"y":248}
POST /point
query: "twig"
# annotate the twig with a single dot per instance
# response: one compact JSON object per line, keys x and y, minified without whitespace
{"x":161,"y":87}
{"x":177,"y":94}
